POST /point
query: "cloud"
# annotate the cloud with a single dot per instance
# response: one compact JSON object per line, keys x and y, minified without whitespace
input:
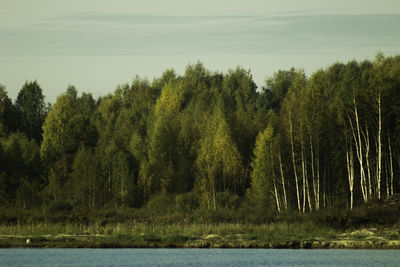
{"x":281,"y":33}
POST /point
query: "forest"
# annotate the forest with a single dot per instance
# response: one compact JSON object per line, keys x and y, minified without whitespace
{"x":205,"y":145}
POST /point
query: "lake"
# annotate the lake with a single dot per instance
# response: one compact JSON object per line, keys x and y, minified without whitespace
{"x":197,"y":257}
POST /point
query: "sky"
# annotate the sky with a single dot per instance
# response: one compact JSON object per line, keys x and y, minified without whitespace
{"x":96,"y":45}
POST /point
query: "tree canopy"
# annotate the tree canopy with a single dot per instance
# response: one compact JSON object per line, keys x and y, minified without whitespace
{"x":301,"y":143}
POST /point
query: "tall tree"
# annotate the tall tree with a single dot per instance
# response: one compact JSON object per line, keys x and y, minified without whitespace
{"x":20,"y":170}
{"x":86,"y":188}
{"x":67,"y":127}
{"x":31,"y":108}
{"x":218,"y":162}
{"x":7,"y":112}
{"x":262,"y":177}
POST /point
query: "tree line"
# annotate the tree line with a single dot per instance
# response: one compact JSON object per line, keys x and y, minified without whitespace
{"x":210,"y":139}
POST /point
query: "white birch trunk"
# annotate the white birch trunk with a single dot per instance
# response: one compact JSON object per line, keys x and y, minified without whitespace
{"x":324,"y":187}
{"x":391,"y":166}
{"x":278,"y":205}
{"x":379,"y":177}
{"x":387,"y":180}
{"x":318,"y":175}
{"x":313,"y":174}
{"x":350,"y":174}
{"x":308,"y":192}
{"x":294,"y":161}
{"x":358,"y":143}
{"x":303,"y":167}
{"x":366,"y":138}
{"x":283,"y":181}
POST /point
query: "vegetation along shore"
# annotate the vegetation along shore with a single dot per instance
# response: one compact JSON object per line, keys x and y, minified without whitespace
{"x":281,"y":235}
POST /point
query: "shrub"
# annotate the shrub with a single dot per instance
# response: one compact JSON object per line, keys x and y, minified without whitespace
{"x":187,"y":202}
{"x":160,"y":204}
{"x":59,"y":206}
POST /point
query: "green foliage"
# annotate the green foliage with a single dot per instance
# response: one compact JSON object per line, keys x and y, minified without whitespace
{"x":84,"y":178}
{"x":67,"y":126}
{"x":276,"y":89}
{"x":57,"y":179}
{"x":164,"y":147}
{"x":31,"y":109}
{"x":205,"y":146}
{"x":187,"y":202}
{"x":218,"y":162}
{"x":262,"y":175}
{"x":20,"y":170}
{"x":160,"y":204}
{"x":8,"y":115}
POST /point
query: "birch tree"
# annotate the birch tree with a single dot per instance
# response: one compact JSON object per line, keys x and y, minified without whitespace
{"x":262,"y":178}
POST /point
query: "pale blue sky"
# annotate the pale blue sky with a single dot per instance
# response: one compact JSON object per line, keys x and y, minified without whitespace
{"x":96,"y":45}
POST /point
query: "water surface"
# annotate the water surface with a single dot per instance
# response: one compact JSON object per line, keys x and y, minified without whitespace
{"x":197,"y":257}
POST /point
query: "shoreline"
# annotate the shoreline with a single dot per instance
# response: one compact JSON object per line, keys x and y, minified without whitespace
{"x":139,"y":235}
{"x":105,"y":241}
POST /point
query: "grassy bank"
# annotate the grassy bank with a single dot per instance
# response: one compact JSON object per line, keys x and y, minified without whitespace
{"x":164,"y":224}
{"x":131,"y":234}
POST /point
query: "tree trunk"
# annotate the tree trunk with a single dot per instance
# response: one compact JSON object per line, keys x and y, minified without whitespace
{"x":318,"y":175}
{"x":358,"y":143}
{"x":391,"y":166}
{"x":109,"y":183}
{"x":308,"y":193}
{"x":214,"y":198}
{"x":212,"y":183}
{"x":303,"y":168}
{"x":88,"y":181}
{"x":294,"y":162}
{"x":379,"y":178}
{"x":94,"y":192}
{"x":350,"y":173}
{"x":278,"y":205}
{"x":313,"y":174}
{"x":283,"y":181}
{"x":387,"y":179}
{"x":366,"y":138}
{"x":324,"y":187}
